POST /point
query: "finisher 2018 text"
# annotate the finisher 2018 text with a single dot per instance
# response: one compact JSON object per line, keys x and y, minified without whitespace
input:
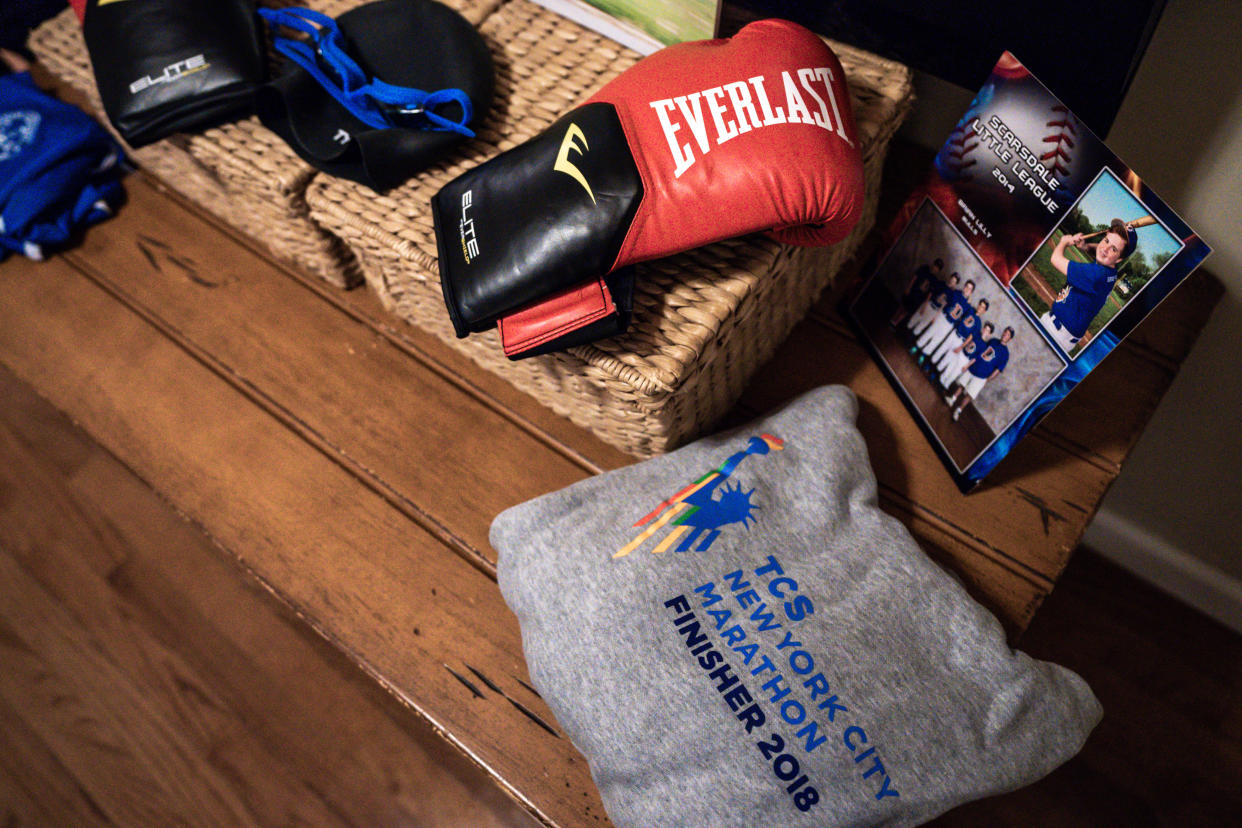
{"x":785,"y":766}
{"x":756,"y":615}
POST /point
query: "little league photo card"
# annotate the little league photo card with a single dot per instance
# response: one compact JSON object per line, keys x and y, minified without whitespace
{"x":1027,"y":254}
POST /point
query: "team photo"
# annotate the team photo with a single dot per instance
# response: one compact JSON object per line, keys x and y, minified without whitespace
{"x":952,"y":336}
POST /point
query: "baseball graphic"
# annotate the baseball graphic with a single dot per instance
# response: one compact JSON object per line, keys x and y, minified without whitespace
{"x":1015,"y":127}
{"x":1012,"y":167}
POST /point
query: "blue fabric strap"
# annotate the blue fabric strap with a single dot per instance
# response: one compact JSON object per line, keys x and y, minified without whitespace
{"x":375,"y":103}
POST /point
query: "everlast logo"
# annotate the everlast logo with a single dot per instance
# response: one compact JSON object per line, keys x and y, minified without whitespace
{"x":736,"y":108}
{"x":563,"y":164}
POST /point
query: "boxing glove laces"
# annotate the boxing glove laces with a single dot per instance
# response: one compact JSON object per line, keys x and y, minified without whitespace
{"x":699,"y":142}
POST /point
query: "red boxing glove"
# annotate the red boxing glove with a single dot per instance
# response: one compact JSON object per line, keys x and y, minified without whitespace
{"x":697,"y":143}
{"x":760,"y":124}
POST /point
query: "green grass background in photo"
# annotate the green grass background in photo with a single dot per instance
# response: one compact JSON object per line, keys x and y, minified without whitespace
{"x":666,"y":22}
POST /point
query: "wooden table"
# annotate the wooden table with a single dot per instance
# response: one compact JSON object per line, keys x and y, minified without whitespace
{"x":352,"y":465}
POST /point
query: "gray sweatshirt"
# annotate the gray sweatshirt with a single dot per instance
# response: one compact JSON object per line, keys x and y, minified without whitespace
{"x":734,"y":634}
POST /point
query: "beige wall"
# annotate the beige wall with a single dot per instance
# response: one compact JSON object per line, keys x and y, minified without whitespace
{"x":1175,"y":513}
{"x":1181,"y":127}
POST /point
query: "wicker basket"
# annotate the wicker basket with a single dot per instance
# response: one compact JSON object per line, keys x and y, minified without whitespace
{"x":704,"y":321}
{"x":241,"y":172}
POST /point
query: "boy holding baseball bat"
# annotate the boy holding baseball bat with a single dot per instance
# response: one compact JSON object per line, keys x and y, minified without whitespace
{"x":1087,"y":283}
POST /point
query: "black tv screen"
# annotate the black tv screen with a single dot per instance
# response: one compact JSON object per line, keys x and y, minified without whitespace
{"x":1086,"y":53}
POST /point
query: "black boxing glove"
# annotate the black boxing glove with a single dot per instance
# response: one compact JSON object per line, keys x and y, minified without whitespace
{"x":356,"y":99}
{"x":699,"y":142}
{"x":165,"y":66}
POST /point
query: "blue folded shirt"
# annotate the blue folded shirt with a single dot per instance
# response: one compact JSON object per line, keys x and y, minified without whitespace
{"x":59,"y":170}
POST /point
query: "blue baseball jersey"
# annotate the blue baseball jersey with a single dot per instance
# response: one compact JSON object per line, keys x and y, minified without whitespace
{"x":993,"y":357}
{"x":958,"y":307}
{"x":968,"y":324}
{"x":1089,"y":283}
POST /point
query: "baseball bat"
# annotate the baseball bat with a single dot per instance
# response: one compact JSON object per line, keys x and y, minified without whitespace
{"x":1137,"y":223}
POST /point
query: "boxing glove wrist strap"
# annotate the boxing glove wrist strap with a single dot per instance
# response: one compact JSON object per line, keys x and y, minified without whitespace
{"x":374,"y":102}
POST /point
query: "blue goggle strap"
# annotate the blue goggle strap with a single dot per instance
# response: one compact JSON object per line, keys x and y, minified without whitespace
{"x":377,"y":104}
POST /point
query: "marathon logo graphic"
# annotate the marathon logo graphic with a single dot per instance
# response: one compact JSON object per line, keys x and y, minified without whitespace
{"x":697,"y":512}
{"x":722,"y":113}
{"x":172,"y":73}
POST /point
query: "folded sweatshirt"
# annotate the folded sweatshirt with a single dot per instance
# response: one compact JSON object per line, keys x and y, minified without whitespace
{"x":734,"y":634}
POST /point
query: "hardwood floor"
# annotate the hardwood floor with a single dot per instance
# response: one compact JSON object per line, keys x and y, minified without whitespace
{"x":1169,"y":749}
{"x":146,"y":680}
